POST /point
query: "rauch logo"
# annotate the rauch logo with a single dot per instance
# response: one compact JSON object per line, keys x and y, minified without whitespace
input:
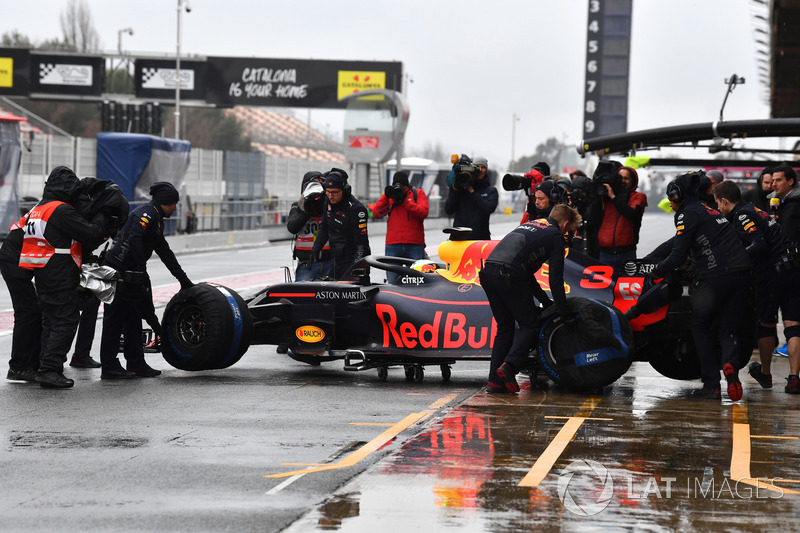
{"x":310,"y":333}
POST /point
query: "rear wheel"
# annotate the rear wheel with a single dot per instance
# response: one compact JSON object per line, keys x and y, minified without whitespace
{"x":206,"y":327}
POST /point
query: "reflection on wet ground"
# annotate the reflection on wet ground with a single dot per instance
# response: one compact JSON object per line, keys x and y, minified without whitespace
{"x":643,"y":455}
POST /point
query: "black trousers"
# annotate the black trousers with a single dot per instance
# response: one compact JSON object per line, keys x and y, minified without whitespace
{"x":26,"y":339}
{"x":85,"y":337}
{"x":60,"y":315}
{"x":124,"y":316}
{"x":724,"y":299}
{"x":512,"y":302}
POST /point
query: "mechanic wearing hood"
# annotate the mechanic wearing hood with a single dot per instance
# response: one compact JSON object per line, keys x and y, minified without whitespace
{"x":722,"y":287}
{"x":344,"y":225}
{"x":305,"y":217}
{"x":787,"y":196}
{"x":407,"y":208}
{"x":142,"y":235}
{"x":776,"y":277}
{"x":472,"y":206}
{"x":510,"y":285}
{"x":622,"y":211}
{"x":56,"y":235}
{"x":759,"y":195}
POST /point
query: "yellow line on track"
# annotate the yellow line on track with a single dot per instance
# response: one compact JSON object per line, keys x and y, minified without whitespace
{"x":545,"y":462}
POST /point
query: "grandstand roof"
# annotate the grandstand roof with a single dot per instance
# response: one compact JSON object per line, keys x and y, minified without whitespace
{"x":281,"y":134}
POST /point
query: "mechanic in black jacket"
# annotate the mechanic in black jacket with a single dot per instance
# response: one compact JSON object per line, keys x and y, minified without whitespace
{"x":56,"y":235}
{"x":787,"y":189}
{"x":305,"y":217}
{"x":26,"y":337}
{"x":344,"y":225}
{"x":723,"y":282}
{"x":473,"y":205}
{"x":142,"y":235}
{"x":776,"y":275}
{"x":510,"y":286}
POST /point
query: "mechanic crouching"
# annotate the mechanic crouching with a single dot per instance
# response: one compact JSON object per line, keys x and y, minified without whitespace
{"x":777,"y":265}
{"x":510,"y":286}
{"x":142,"y":235}
{"x":344,"y":225}
{"x":723,"y":283}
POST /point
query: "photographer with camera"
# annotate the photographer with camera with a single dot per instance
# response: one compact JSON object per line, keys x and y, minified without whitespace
{"x":344,"y":225}
{"x":539,"y":205}
{"x":305,"y":217}
{"x":406,"y":207}
{"x":622,"y":211}
{"x":472,"y":198}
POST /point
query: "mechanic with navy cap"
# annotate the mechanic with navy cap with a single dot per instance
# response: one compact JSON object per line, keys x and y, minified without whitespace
{"x":407,"y":208}
{"x":344,"y":225}
{"x":472,"y":206}
{"x":510,"y":286}
{"x":776,"y":275}
{"x":305,"y":217}
{"x":142,"y":235}
{"x":723,"y":283}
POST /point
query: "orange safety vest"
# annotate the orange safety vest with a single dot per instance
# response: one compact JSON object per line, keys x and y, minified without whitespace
{"x":36,"y":251}
{"x":305,"y":237}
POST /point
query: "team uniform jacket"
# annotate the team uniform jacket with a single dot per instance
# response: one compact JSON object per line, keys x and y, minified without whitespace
{"x":405,"y":220}
{"x":527,"y":248}
{"x":473,"y":210}
{"x":711,"y":240}
{"x":762,"y":236}
{"x":344,"y":225}
{"x":142,"y":235}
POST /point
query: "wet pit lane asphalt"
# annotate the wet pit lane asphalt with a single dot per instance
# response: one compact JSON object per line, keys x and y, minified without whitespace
{"x":641,"y":456}
{"x":272,"y":445}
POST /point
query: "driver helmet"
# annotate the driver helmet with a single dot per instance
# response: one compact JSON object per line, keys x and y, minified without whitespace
{"x":424,"y":265}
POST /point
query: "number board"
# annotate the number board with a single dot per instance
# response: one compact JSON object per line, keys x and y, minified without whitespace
{"x":608,"y":45}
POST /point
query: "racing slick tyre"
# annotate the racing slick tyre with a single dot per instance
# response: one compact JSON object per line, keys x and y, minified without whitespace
{"x":206,"y":327}
{"x":674,"y":357}
{"x":592,"y":351}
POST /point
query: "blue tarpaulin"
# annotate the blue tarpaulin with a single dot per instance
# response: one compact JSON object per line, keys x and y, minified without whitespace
{"x":135,"y":161}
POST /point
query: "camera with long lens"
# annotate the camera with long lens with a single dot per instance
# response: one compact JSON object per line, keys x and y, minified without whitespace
{"x":312,"y":199}
{"x":606,"y":173}
{"x":395,"y":192}
{"x":515,"y":182}
{"x":466,"y":172}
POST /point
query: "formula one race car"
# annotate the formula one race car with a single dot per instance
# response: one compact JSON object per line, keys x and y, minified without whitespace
{"x":437,"y":314}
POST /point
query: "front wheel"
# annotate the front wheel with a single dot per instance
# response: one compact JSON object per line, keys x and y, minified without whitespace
{"x":206,"y":327}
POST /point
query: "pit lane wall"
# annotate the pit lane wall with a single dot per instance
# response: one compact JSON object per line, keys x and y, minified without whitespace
{"x":231,"y":240}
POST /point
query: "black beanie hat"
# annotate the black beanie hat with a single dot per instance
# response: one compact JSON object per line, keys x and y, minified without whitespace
{"x":335,"y":179}
{"x":164,"y":193}
{"x":542,"y":167}
{"x":400,"y":178}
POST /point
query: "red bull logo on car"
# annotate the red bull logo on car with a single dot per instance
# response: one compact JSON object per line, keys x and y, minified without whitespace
{"x":447,"y":330}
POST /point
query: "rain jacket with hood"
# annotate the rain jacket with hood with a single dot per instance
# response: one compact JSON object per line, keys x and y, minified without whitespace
{"x":65,"y":225}
{"x":789,"y":213}
{"x":622,"y":218}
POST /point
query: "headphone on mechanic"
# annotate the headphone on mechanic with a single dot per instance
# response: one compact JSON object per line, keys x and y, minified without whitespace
{"x":674,"y":193}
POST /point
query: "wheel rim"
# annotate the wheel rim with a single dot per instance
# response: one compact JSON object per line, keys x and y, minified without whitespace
{"x":191,"y":326}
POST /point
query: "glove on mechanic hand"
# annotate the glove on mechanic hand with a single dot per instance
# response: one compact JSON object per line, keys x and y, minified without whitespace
{"x":186,"y":283}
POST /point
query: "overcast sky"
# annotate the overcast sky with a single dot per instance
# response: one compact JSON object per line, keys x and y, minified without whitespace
{"x":471,"y":65}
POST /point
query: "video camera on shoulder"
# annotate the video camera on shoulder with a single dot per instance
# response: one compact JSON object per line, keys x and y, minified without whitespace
{"x":466,"y":172}
{"x":606,"y":172}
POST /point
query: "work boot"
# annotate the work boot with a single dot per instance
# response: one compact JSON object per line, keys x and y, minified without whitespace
{"x":84,"y":361}
{"x":144,"y":371}
{"x":712,"y":393}
{"x":507,"y":373}
{"x":26,"y":374}
{"x":734,"y":385}
{"x":765,"y":380}
{"x":496,"y":388}
{"x":116,"y":372}
{"x":793,"y":385}
{"x":51,"y":379}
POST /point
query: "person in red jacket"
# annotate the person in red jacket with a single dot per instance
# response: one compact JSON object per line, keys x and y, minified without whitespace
{"x":623,"y":208}
{"x":406,"y":207}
